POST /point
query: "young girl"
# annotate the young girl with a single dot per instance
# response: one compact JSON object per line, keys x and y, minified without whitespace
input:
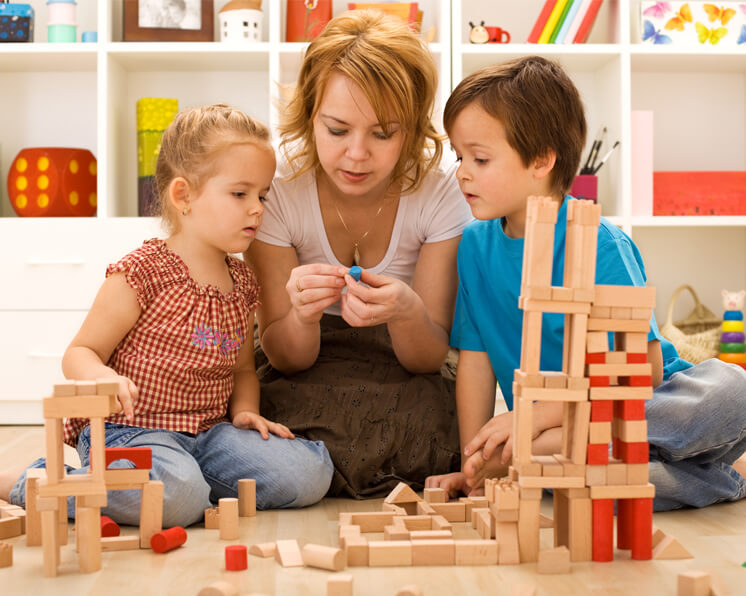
{"x":173,"y":322}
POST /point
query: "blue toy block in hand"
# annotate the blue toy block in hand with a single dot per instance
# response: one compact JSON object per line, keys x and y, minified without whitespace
{"x":356,"y":272}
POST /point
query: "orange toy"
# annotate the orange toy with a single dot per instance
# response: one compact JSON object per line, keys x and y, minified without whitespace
{"x":53,"y":182}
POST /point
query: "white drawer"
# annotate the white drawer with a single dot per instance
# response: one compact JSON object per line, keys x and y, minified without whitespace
{"x":60,"y":263}
{"x":31,"y":351}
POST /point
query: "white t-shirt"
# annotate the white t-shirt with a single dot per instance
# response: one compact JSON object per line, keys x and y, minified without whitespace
{"x":437,"y":211}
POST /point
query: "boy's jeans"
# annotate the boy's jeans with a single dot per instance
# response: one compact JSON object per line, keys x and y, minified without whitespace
{"x":696,"y":430}
{"x":198,"y":470}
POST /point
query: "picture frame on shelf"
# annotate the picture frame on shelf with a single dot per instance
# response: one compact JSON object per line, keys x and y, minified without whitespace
{"x":168,"y":20}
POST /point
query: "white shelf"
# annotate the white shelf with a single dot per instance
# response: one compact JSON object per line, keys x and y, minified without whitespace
{"x":684,"y":221}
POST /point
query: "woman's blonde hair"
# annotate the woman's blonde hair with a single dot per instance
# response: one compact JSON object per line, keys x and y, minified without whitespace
{"x":396,"y":73}
{"x":191,"y":143}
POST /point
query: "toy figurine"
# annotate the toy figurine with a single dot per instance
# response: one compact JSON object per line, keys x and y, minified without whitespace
{"x":732,"y":346}
{"x":478,"y":33}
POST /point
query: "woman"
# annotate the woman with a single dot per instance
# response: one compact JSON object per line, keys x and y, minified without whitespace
{"x":357,"y":364}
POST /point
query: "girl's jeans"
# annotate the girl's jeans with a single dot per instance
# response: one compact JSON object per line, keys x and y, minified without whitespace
{"x":198,"y":470}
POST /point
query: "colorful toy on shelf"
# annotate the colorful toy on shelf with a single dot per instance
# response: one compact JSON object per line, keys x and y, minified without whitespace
{"x":154,"y":114}
{"x":478,"y":33}
{"x":62,"y":26}
{"x":241,"y":21}
{"x":305,"y":19}
{"x":53,"y":182}
{"x":16,"y":22}
{"x":732,"y":345}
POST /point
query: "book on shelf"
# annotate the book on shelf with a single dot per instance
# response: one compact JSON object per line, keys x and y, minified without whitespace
{"x":565,"y":21}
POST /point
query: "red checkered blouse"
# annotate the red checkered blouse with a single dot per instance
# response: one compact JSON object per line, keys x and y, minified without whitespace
{"x":183,"y":348}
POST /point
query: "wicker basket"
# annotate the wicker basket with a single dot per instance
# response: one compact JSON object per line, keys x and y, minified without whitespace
{"x":697,"y":337}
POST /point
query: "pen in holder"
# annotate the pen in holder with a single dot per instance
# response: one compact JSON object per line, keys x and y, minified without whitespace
{"x":585,"y":186}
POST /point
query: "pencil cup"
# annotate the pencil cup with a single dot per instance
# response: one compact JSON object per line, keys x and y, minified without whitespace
{"x":585,"y":186}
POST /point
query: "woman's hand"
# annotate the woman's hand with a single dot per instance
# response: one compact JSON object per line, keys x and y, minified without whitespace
{"x":387,"y":299}
{"x":249,"y":420}
{"x":312,"y":288}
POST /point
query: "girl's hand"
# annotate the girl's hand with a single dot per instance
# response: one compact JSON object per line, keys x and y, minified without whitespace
{"x":454,"y":484}
{"x":496,"y":432}
{"x":128,"y":394}
{"x":247,"y":420}
{"x":312,"y":288}
{"x":387,"y":299}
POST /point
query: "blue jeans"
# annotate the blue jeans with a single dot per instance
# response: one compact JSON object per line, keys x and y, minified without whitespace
{"x":696,"y":430}
{"x":198,"y":470}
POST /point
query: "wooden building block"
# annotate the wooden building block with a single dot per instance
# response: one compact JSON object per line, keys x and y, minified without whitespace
{"x":288,"y":553}
{"x":356,"y":549}
{"x":551,"y":482}
{"x":441,"y":523}
{"x":637,"y":473}
{"x":14,"y":511}
{"x":339,"y":585}
{"x":631,"y":296}
{"x":142,"y":457}
{"x":619,"y":369}
{"x":646,"y":491}
{"x":219,"y":588}
{"x":247,"y":497}
{"x":508,"y":552}
{"x":632,"y":342}
{"x":616,"y":473}
{"x":64,"y":389}
{"x":10,"y":527}
{"x":6,"y":554}
{"x":529,"y":524}
{"x":485,"y":523}
{"x":602,"y":411}
{"x":151,"y":511}
{"x":86,"y":387}
{"x":624,"y":325}
{"x":603,"y":530}
{"x":433,"y":552}
{"x":414,"y":522}
{"x":389,"y":554}
{"x":631,"y":431}
{"x":554,"y":379}
{"x":595,"y":475}
{"x":125,"y":478}
{"x":33,"y":516}
{"x":621,"y":312}
{"x":114,"y":543}
{"x":430,"y":535}
{"x":88,"y":528}
{"x":693,"y":583}
{"x":619,"y":393}
{"x":374,"y":521}
{"x":264,"y":550}
{"x":402,"y":493}
{"x":228,"y":518}
{"x":507,"y":494}
{"x":212,"y":518}
{"x":347,"y":531}
{"x":670,"y":548}
{"x":396,"y":532}
{"x":596,"y":341}
{"x":453,"y":512}
{"x":395,"y":509}
{"x":435,"y":495}
{"x":599,"y":433}
{"x":424,"y":508}
{"x":476,"y":552}
{"x":568,"y":467}
{"x":323,"y":557}
{"x":630,"y":409}
{"x":556,"y":560}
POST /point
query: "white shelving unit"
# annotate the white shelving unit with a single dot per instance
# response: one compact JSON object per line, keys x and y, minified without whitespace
{"x":83,"y":95}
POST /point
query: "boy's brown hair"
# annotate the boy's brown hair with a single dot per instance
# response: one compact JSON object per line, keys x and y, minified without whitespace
{"x":539,"y":106}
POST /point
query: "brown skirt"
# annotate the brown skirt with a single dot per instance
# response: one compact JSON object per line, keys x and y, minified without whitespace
{"x":381,"y":424}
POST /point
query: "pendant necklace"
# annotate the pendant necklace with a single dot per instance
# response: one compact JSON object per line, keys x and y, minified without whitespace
{"x":356,"y":253}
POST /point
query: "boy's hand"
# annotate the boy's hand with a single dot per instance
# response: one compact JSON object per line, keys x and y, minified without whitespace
{"x":496,"y":432}
{"x":247,"y":420}
{"x":454,"y":484}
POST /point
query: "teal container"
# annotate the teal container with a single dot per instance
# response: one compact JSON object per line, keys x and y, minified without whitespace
{"x":62,"y":33}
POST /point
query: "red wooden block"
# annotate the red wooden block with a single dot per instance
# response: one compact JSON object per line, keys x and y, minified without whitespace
{"x":109,"y":527}
{"x":636,"y":381}
{"x":641,"y":528}
{"x":598,"y":454}
{"x":142,"y":457}
{"x":636,"y":358}
{"x":634,"y":453}
{"x":623,"y":528}
{"x":236,"y":558}
{"x":597,"y":358}
{"x":603,"y":530}
{"x":602,"y":411}
{"x":600,"y":381}
{"x":167,"y":540}
{"x":630,"y":409}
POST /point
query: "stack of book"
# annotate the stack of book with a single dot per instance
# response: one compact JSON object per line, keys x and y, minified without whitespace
{"x":565,"y":21}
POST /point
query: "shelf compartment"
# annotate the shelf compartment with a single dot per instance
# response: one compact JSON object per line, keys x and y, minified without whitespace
{"x":58,"y":57}
{"x":188,"y":56}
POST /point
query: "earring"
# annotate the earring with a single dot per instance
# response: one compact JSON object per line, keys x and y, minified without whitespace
{"x":185,"y":211}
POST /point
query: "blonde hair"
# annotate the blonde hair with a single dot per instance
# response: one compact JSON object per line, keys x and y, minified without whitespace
{"x":395,"y":71}
{"x":192,"y":142}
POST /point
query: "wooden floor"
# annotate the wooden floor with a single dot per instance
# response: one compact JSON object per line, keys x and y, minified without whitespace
{"x":716,"y":536}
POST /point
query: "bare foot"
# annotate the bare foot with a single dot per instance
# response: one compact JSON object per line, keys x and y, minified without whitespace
{"x":740,"y":465}
{"x":8,"y":479}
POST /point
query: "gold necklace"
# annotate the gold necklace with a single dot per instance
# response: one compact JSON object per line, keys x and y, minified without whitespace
{"x":356,"y":253}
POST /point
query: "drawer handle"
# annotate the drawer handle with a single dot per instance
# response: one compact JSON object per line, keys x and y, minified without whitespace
{"x":38,"y":262}
{"x":45,"y":355}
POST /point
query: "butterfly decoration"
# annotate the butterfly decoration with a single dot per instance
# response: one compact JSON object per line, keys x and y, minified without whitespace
{"x":649,"y":32}
{"x":680,"y":18}
{"x":743,"y":8}
{"x":658,"y":10}
{"x":713,"y":35}
{"x":714,"y":13}
{"x":742,"y":37}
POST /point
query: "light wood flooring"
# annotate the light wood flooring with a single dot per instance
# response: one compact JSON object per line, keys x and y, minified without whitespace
{"x":716,"y":536}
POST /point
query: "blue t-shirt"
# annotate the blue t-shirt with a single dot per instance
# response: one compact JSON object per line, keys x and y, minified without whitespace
{"x":487,"y":317}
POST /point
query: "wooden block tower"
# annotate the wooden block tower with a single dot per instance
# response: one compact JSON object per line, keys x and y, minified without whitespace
{"x":602,"y":390}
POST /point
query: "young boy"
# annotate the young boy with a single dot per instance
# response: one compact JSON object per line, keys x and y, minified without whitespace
{"x":518,"y":129}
